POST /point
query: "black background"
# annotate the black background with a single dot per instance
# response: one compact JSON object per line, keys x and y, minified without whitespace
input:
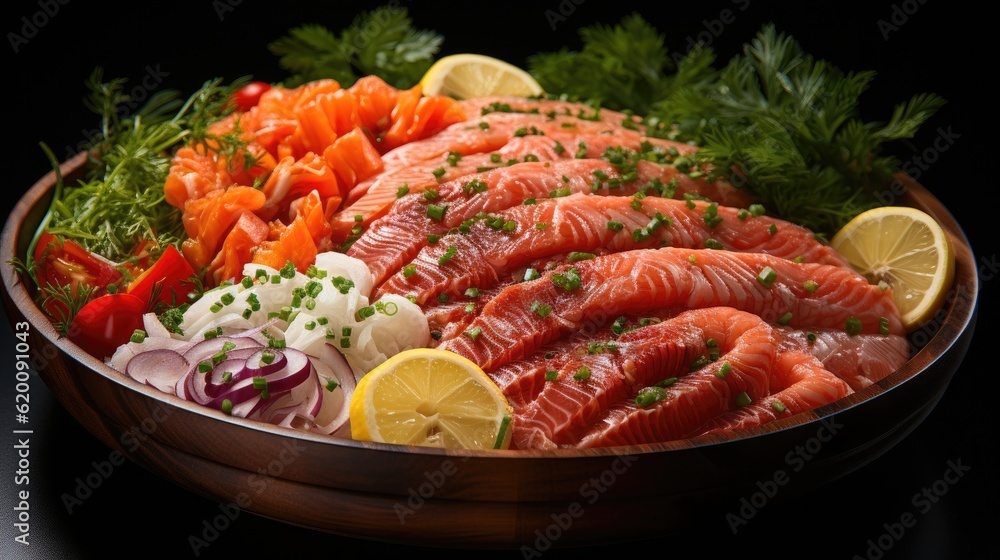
{"x":936,"y":47}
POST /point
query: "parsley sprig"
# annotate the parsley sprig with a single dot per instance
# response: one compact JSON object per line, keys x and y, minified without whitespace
{"x":119,"y":202}
{"x":382,"y":42}
{"x":773,"y":120}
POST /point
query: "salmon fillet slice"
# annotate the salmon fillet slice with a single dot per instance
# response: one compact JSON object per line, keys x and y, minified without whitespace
{"x":588,"y":292}
{"x":501,"y":243}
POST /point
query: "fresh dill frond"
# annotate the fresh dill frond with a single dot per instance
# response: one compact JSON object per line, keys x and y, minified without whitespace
{"x":382,"y":42}
{"x":787,"y":127}
{"x":621,"y":67}
{"x":119,"y":202}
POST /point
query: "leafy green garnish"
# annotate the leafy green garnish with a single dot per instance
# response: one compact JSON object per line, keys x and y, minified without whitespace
{"x":119,"y":203}
{"x":624,"y":66}
{"x":381,"y":42}
{"x":774,"y":120}
{"x":788,"y":127}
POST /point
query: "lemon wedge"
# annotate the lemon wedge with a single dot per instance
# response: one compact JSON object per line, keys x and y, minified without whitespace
{"x":466,"y":76}
{"x":430,"y":397}
{"x":908,"y":250}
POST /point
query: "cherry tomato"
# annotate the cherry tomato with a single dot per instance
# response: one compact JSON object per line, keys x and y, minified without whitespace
{"x":249,"y":95}
{"x":106,"y":322}
{"x":61,"y":262}
{"x":168,"y":280}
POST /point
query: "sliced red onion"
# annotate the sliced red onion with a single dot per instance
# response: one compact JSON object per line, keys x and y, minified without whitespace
{"x":121,"y":358}
{"x":160,"y":368}
{"x":205,"y":349}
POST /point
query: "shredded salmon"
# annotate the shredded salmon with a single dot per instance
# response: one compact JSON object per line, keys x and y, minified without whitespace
{"x":305,"y":149}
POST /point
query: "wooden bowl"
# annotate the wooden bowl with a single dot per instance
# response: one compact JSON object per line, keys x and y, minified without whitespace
{"x":500,"y":499}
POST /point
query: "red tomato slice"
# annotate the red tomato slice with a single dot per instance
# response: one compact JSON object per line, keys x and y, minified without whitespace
{"x":248,"y":96}
{"x":61,"y":262}
{"x":107,"y":322}
{"x":167,"y":281}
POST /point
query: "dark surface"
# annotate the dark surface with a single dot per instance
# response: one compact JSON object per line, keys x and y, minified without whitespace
{"x":190,"y":45}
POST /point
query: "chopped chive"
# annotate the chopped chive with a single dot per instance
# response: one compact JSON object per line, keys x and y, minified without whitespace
{"x":667,"y":382}
{"x":757,"y":210}
{"x":582,"y":374}
{"x":575,"y":256}
{"x":615,"y":225}
{"x":473,"y":333}
{"x":443,"y":297}
{"x":883,"y":326}
{"x":472,"y":292}
{"x":528,"y":201}
{"x":785,"y":319}
{"x":447,"y":256}
{"x":138,"y":336}
{"x":712,"y":244}
{"x":723,"y":370}
{"x":810,"y":286}
{"x":743,"y":399}
{"x":569,"y":280}
{"x":402,"y":190}
{"x":435,"y":211}
{"x":551,"y":375}
{"x":227,"y":406}
{"x":541,"y":308}
{"x":767,"y":276}
{"x":853,"y":326}
{"x":531,"y":274}
{"x":469,"y":307}
{"x":331,"y":384}
{"x":647,"y":396}
{"x":409,"y":270}
{"x":777,"y":406}
{"x":772,"y":229}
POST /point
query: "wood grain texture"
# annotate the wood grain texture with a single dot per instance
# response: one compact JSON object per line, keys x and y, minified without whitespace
{"x":503,"y":499}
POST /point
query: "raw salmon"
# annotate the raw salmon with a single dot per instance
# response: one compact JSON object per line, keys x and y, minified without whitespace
{"x":859,"y":360}
{"x":576,"y":409}
{"x":396,"y":239}
{"x":799,"y":383}
{"x":591,"y":291}
{"x":501,"y":243}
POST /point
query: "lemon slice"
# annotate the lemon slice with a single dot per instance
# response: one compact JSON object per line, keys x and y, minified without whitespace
{"x":466,"y":76}
{"x":433,"y":398}
{"x":908,"y":250}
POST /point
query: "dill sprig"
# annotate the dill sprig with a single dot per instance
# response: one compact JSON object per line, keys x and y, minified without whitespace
{"x":119,"y":203}
{"x":787,"y":127}
{"x":622,"y":66}
{"x":382,"y":42}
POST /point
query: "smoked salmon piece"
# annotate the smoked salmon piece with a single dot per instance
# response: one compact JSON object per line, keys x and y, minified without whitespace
{"x":593,"y":397}
{"x":799,"y":382}
{"x":505,"y":242}
{"x":860,"y":360}
{"x":509,"y":328}
{"x":492,"y":131}
{"x":207,"y":220}
{"x":389,"y":243}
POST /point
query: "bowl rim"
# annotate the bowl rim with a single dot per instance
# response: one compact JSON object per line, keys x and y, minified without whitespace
{"x":959,"y":315}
